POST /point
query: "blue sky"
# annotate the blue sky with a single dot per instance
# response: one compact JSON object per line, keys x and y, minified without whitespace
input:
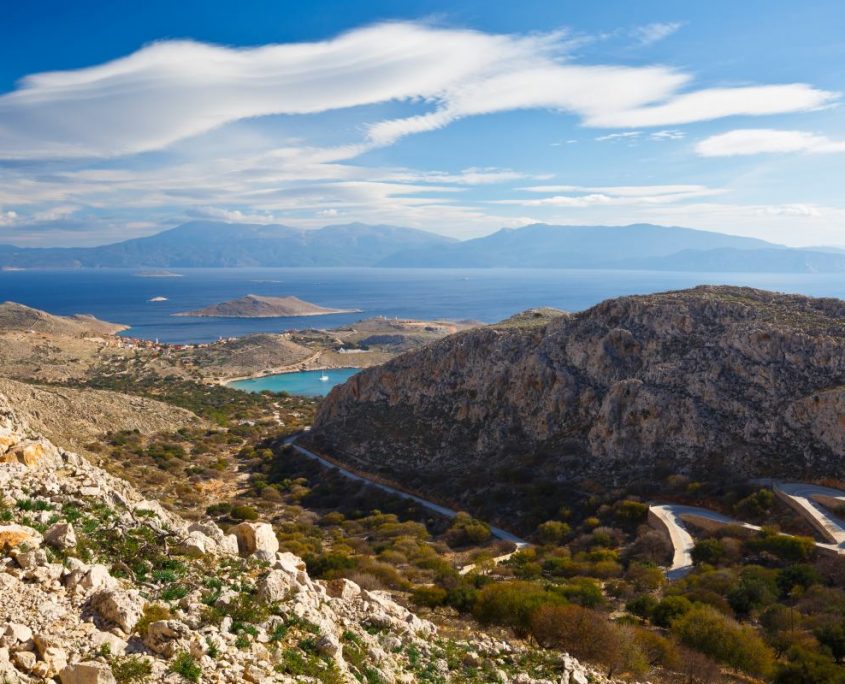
{"x":120,"y":119}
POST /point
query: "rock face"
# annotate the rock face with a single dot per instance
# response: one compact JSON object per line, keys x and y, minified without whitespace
{"x":713,"y":381}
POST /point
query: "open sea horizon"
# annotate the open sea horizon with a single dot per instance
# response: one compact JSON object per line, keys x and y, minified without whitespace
{"x":485,"y":295}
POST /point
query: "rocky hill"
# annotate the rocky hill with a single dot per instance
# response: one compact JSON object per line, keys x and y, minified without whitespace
{"x":15,"y":316}
{"x":100,"y":586}
{"x":714,"y":382}
{"x":76,"y":417}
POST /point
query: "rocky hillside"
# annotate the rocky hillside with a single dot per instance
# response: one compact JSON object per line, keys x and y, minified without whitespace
{"x":713,"y":382}
{"x":15,"y":316}
{"x":76,"y":417}
{"x":102,"y":587}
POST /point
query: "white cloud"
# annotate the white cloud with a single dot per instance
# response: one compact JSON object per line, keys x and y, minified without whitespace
{"x":8,"y":218}
{"x":584,"y":196}
{"x":766,"y":140}
{"x":618,"y":136}
{"x":170,"y":91}
{"x":652,"y":33}
{"x":667,"y":135}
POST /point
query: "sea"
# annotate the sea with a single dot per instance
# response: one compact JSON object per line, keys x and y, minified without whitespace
{"x":314,"y":383}
{"x":485,"y":295}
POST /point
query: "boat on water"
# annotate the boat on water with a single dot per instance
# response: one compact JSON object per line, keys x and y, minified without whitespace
{"x":324,"y":378}
{"x":158,"y":299}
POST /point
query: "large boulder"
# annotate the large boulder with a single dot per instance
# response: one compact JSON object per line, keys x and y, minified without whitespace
{"x":256,"y":539}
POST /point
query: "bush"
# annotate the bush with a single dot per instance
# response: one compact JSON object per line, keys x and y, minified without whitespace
{"x":511,"y":604}
{"x":723,"y":639}
{"x":669,"y":609}
{"x":244,"y":512}
{"x":552,"y":532}
{"x":642,"y":606}
{"x":430,"y":597}
{"x":185,"y":665}
{"x":708,"y":551}
{"x":466,"y":530}
{"x":798,"y":575}
{"x":793,"y":549}
{"x":806,"y":667}
{"x":587,"y":635}
{"x":130,"y":669}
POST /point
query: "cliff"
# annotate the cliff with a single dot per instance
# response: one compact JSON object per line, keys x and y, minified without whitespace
{"x":714,"y":382}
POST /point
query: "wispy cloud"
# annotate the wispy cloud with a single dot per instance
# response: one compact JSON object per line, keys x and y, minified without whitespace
{"x":750,"y":141}
{"x":652,"y":33}
{"x":614,"y":195}
{"x":619,"y":136}
{"x":174,"y":90}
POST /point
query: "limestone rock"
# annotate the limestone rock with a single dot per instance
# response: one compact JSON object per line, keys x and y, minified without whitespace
{"x":15,"y":536}
{"x":90,"y":672}
{"x":118,"y":607}
{"x":164,"y":636}
{"x":61,"y":536}
{"x":256,"y":539}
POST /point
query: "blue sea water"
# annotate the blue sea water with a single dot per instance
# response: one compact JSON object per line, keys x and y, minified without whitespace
{"x":305,"y":383}
{"x":485,"y":295}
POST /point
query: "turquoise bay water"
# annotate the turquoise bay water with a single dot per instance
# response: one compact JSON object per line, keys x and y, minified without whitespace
{"x":305,"y":383}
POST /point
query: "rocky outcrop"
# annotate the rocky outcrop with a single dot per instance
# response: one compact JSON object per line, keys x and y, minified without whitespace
{"x":713,"y":382}
{"x":132,"y":585}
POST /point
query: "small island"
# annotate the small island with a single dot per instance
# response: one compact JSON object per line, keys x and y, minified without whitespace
{"x":258,"y":306}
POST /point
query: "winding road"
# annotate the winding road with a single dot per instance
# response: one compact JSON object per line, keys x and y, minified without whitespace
{"x":806,"y":499}
{"x":430,"y":505}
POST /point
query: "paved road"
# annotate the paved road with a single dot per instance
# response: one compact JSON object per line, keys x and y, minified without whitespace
{"x":430,"y":505}
{"x":671,"y":518}
{"x":807,"y":499}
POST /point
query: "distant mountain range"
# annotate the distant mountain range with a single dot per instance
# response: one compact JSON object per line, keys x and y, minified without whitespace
{"x":221,"y":245}
{"x":637,"y":247}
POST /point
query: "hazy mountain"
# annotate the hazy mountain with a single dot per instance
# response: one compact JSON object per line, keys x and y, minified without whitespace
{"x":546,"y":246}
{"x":640,"y":246}
{"x":212,"y":244}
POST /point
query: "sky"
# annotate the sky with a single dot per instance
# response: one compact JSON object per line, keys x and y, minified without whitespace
{"x":121,"y":119}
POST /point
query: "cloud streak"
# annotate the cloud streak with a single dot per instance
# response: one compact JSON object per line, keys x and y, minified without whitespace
{"x":751,"y":141}
{"x":170,"y":91}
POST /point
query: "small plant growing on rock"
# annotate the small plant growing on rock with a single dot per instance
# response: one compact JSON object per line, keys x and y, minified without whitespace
{"x":185,"y":665}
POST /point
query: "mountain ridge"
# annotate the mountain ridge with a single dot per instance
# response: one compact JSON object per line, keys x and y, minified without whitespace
{"x":208,"y":244}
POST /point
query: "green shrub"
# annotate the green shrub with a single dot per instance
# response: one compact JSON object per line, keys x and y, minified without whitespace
{"x":185,"y":665}
{"x":669,"y":609}
{"x":707,"y":630}
{"x":511,"y":604}
{"x":429,"y":596}
{"x":244,"y":512}
{"x":552,"y":532}
{"x":130,"y":669}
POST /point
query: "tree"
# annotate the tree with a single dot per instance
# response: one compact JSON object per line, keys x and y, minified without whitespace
{"x":806,"y":667}
{"x":708,"y":551}
{"x":588,"y":635}
{"x":669,"y":609}
{"x":552,"y":532}
{"x":707,"y":630}
{"x":511,"y":604}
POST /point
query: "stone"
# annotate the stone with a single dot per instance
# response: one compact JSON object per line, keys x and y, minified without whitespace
{"x":16,"y":633}
{"x":121,"y":608}
{"x":61,"y":536}
{"x":275,"y":586}
{"x":25,"y":660}
{"x":256,"y":539}
{"x":17,"y":536}
{"x":196,"y":545}
{"x":163,"y":636}
{"x":328,"y":645}
{"x":90,"y":672}
{"x":29,"y":452}
{"x":108,"y":641}
{"x":96,"y":578}
{"x":54,"y":659}
{"x":342,"y":588}
{"x":31,"y":559}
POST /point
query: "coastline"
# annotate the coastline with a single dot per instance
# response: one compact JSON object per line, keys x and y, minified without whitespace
{"x":333,"y":312}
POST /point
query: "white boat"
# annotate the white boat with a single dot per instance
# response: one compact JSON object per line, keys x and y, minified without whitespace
{"x":324,"y":378}
{"x":158,"y":299}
